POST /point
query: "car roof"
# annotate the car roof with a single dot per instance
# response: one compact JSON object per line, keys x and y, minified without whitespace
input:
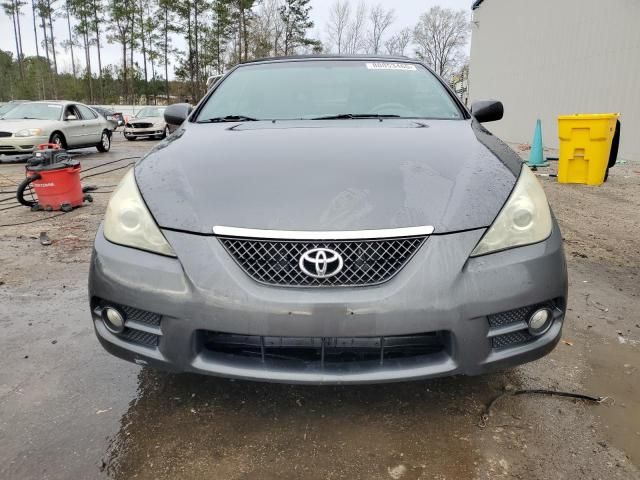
{"x":378,"y":58}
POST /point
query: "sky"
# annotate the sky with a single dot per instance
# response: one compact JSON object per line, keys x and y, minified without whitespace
{"x":407,"y":13}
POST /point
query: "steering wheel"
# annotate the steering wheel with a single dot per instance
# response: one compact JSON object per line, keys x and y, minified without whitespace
{"x":391,"y":108}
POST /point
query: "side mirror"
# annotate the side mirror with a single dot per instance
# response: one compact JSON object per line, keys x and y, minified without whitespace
{"x":70,"y":117}
{"x":487,"y":110}
{"x":177,"y":113}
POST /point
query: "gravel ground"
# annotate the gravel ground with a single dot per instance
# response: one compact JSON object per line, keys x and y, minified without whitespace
{"x":68,"y":410}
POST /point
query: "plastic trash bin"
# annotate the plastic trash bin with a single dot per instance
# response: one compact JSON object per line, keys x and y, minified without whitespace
{"x":585,"y":147}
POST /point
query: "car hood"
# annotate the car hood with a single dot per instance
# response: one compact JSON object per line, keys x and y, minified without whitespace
{"x":147,"y":120}
{"x":14,"y":126}
{"x":326,"y":175}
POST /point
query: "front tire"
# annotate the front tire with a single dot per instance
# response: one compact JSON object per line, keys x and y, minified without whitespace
{"x":105,"y":142}
{"x":58,"y":139}
{"x":131,"y":139}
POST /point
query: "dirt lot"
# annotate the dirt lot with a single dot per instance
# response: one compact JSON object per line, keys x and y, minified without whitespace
{"x":68,"y":410}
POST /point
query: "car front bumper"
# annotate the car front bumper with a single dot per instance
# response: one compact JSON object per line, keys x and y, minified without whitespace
{"x":21,"y":144}
{"x":143,"y":132}
{"x":439,"y":290}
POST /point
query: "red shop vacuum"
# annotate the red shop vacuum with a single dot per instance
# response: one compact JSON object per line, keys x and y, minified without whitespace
{"x":55,"y":177}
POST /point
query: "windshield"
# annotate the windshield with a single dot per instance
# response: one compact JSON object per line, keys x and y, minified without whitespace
{"x":36,"y":111}
{"x":5,"y":108}
{"x":317,"y":89}
{"x":150,"y":112}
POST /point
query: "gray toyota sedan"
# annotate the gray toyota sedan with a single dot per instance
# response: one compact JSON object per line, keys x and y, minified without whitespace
{"x":329,"y":220}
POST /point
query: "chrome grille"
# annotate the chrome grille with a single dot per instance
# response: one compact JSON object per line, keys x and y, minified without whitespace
{"x":366,"y":262}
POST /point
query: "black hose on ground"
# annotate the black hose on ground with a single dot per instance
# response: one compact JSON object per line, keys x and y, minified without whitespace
{"x":22,"y":187}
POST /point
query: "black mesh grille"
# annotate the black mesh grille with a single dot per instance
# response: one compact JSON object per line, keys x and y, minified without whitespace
{"x":139,"y":337}
{"x":366,"y":262}
{"x":326,"y":350}
{"x":5,"y":134}
{"x":148,"y":318}
{"x":516,"y":316}
{"x":142,"y":125}
{"x":512,"y":339}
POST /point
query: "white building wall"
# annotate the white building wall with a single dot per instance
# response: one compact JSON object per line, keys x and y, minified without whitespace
{"x":544,"y":58}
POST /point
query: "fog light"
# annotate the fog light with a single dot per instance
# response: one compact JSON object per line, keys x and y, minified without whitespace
{"x":113,"y":320}
{"x":540,"y":321}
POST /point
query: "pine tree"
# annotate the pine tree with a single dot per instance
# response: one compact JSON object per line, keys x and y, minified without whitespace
{"x":295,"y":17}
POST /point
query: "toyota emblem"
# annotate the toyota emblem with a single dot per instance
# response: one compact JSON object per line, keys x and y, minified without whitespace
{"x":321,"y":263}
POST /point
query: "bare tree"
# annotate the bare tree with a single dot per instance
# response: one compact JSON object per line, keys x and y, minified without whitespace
{"x":339,"y":16}
{"x":381,"y":20}
{"x":398,"y":43}
{"x":355,"y":40}
{"x":441,"y":35}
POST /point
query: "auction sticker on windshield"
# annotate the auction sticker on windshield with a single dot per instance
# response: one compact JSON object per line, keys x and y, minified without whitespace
{"x":392,"y":66}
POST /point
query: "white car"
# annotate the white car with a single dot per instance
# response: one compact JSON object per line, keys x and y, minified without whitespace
{"x":148,"y":122}
{"x":68,"y":124}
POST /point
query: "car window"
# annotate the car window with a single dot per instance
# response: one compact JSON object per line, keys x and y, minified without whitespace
{"x":87,"y":113}
{"x":36,"y":111}
{"x":150,"y":112}
{"x":312,"y":89}
{"x":71,"y":110}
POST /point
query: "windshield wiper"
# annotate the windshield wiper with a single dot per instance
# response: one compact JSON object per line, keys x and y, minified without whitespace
{"x":229,"y":118}
{"x":352,"y":116}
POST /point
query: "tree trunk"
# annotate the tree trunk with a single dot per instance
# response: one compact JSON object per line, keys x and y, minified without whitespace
{"x":132,"y":38}
{"x":144,"y":52}
{"x":17,"y":10}
{"x":52,"y":39}
{"x":97,"y":29}
{"x":190,"y":46}
{"x":73,"y":60}
{"x":245,"y":35}
{"x":197,"y":56}
{"x":18,"y":54}
{"x":166,"y":51}
{"x":87,"y":56}
{"x":35,"y":35}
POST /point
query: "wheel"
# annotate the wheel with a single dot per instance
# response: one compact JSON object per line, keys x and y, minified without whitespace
{"x":105,"y":142}
{"x":58,"y":139}
{"x":165,"y":133}
{"x":131,"y":139}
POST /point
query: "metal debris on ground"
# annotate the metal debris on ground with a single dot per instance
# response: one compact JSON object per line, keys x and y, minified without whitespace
{"x":44,"y":239}
{"x":484,"y":418}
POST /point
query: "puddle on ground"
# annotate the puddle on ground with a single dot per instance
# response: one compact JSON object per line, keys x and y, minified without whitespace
{"x":191,"y":426}
{"x":616,"y":374}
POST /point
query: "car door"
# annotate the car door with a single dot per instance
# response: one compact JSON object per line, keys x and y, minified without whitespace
{"x":73,"y":128}
{"x":92,"y":125}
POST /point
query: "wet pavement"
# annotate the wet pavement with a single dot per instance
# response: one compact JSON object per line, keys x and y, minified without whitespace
{"x":68,"y":410}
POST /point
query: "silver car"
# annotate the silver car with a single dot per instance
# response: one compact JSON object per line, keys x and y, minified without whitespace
{"x":68,"y":124}
{"x":329,"y":220}
{"x":148,"y":123}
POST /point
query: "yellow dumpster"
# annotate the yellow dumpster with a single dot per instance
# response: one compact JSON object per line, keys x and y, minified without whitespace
{"x":585,"y":146}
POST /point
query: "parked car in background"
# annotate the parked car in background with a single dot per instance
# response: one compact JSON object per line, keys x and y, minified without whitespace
{"x":5,"y":108}
{"x":68,"y":124}
{"x":148,"y":122}
{"x":116,"y":119}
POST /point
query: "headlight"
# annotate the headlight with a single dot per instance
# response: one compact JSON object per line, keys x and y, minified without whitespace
{"x":29,"y":132}
{"x":129,"y":223}
{"x":524,"y":219}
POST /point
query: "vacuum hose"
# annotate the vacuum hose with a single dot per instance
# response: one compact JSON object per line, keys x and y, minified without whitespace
{"x":23,"y":186}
